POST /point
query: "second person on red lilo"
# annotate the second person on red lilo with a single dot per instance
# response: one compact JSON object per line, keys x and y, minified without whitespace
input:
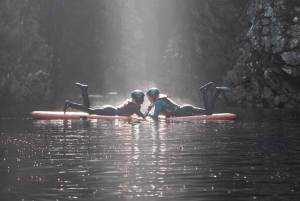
{"x":167,"y":107}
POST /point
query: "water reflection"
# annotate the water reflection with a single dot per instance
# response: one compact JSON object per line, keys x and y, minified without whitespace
{"x":248,"y":159}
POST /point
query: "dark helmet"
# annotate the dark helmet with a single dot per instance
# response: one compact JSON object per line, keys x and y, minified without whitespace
{"x":153,"y":92}
{"x":138,"y":96}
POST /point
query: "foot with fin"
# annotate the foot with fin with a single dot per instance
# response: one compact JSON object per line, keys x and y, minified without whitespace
{"x":205,"y":87}
{"x":83,"y":87}
{"x":66,"y":106}
{"x":222,"y":89}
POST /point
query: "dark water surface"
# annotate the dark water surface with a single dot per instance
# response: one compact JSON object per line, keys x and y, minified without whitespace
{"x":253,"y":158}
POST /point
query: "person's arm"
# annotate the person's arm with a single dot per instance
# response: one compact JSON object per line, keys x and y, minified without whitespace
{"x":147,"y":111}
{"x":158,"y":108}
{"x":140,"y":114}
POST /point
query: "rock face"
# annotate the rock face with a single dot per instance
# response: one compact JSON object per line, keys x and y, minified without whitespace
{"x":266,"y":58}
{"x":25,"y":59}
{"x":200,"y":45}
{"x":251,"y":46}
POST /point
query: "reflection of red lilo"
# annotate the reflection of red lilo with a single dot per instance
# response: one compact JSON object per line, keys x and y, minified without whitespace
{"x":83,"y":115}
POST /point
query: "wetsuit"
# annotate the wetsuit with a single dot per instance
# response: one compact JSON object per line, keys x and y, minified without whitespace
{"x":168,"y":108}
{"x":128,"y":110}
{"x":164,"y":106}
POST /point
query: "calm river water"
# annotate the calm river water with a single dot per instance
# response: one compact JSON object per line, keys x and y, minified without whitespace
{"x":256,"y":157}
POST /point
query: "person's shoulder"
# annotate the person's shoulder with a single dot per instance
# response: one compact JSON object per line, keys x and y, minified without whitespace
{"x":133,"y":105}
{"x":160,"y":101}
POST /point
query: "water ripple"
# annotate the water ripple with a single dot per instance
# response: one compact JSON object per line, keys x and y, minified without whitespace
{"x":248,"y":159}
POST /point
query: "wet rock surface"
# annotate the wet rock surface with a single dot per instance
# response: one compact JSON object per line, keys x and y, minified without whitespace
{"x":267,"y":56}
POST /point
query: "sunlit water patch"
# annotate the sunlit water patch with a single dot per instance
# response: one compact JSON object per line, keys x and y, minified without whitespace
{"x":253,"y":158}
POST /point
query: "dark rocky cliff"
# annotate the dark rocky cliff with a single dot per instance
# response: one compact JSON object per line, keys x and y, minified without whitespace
{"x":25,"y":58}
{"x":266,"y":59}
{"x":251,"y":46}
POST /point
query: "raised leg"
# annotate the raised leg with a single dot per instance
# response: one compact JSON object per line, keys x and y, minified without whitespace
{"x":85,"y":95}
{"x":215,"y":96}
{"x":207,"y":104}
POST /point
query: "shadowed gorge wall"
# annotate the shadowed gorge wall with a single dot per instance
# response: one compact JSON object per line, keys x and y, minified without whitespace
{"x":25,"y":57}
{"x":266,"y":56}
{"x":251,"y":46}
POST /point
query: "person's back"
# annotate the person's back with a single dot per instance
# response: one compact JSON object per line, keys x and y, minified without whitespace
{"x":129,"y":109}
{"x":164,"y":106}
